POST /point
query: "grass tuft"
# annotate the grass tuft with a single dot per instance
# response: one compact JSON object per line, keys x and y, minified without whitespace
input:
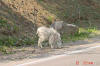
{"x":83,"y":34}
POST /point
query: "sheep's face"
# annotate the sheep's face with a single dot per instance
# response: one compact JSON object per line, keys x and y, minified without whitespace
{"x":59,"y":43}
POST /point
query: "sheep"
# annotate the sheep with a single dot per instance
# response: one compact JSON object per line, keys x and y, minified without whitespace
{"x":50,"y":35}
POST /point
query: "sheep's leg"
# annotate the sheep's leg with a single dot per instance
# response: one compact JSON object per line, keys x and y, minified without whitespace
{"x":52,"y":46}
{"x":51,"y":42}
{"x":40,"y":42}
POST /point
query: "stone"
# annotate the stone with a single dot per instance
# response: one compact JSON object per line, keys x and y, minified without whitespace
{"x":65,"y":28}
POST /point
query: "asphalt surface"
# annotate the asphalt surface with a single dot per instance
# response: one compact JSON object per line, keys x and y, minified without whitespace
{"x":83,"y":55}
{"x":86,"y":57}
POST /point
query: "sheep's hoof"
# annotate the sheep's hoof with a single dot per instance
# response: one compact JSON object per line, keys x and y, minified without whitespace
{"x":52,"y":47}
{"x":40,"y":47}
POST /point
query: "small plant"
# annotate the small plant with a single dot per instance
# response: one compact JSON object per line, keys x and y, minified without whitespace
{"x":3,"y":49}
{"x":27,"y":41}
{"x":50,"y":19}
{"x":40,"y":0}
{"x":83,"y":33}
{"x":8,"y":41}
{"x":8,"y":27}
{"x":6,"y":50}
{"x":15,"y":28}
{"x":92,"y":29}
{"x":3,"y":23}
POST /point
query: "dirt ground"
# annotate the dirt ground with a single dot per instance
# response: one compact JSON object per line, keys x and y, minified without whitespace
{"x":34,"y":52}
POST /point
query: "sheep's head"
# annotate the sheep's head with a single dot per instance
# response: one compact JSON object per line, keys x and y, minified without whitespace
{"x":59,"y":42}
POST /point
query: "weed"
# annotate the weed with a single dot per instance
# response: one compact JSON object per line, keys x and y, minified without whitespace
{"x":8,"y":41}
{"x":6,"y":50}
{"x":3,"y":23}
{"x":40,"y":0}
{"x":50,"y":19}
{"x":27,"y":41}
{"x":83,"y":33}
{"x":15,"y":28}
{"x":92,"y":29}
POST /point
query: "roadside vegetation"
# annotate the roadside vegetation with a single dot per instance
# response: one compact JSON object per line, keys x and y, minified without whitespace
{"x":8,"y":41}
{"x":83,"y":34}
{"x":85,"y":14}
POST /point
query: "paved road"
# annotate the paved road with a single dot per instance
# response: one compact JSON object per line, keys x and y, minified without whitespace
{"x":85,"y":57}
{"x":90,"y":58}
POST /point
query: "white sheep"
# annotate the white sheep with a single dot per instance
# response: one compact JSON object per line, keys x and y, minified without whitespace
{"x":50,"y":35}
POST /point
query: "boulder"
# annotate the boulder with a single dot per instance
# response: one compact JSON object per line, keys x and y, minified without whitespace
{"x":65,"y":28}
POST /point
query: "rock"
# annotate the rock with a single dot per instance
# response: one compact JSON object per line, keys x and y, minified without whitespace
{"x":65,"y":28}
{"x":58,"y":25}
{"x":70,"y":29}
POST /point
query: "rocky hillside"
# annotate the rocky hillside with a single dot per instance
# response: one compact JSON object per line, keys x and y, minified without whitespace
{"x":23,"y":14}
{"x":21,"y":17}
{"x":82,"y":12}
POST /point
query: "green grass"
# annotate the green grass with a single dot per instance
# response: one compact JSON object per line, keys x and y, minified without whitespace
{"x":7,"y":26}
{"x":6,"y":50}
{"x":27,"y":41}
{"x":50,"y":19}
{"x":83,"y":34}
{"x":3,"y":23}
{"x":40,"y":0}
{"x":9,"y":42}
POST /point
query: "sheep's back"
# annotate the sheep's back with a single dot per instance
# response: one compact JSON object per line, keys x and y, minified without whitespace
{"x":43,"y":32}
